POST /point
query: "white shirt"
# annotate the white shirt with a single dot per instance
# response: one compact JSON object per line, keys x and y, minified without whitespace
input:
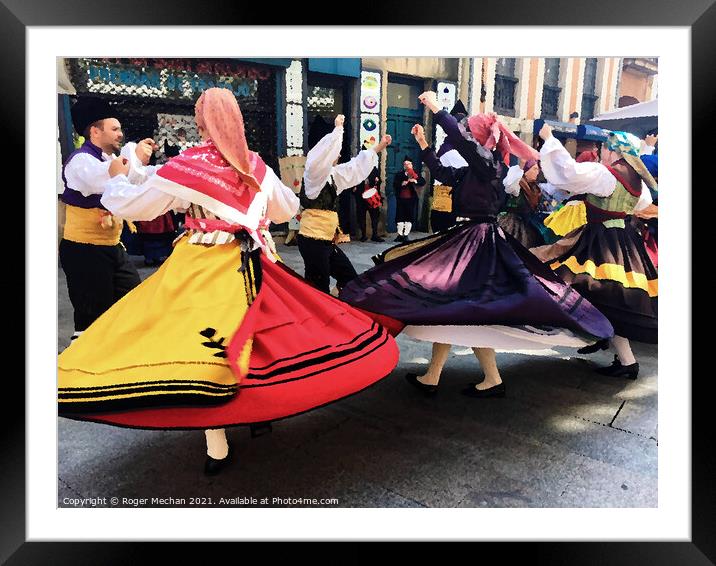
{"x":319,"y":165}
{"x":143,"y":196}
{"x":565,"y":174}
{"x":87,"y":175}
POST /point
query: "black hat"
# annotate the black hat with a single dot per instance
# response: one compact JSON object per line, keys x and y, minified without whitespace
{"x":318,"y":130}
{"x":408,"y":158}
{"x":89,"y":110}
{"x":459,"y":110}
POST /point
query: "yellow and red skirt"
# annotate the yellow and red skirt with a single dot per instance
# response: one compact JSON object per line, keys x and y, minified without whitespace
{"x":157,"y":358}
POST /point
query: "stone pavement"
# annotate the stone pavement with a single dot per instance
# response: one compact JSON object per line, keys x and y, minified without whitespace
{"x":564,"y":436}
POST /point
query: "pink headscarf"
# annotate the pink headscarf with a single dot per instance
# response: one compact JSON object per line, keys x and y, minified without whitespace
{"x":218,"y":112}
{"x":487,"y":130}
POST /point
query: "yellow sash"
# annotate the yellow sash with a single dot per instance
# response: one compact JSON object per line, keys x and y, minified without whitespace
{"x":92,"y":226}
{"x":318,"y":224}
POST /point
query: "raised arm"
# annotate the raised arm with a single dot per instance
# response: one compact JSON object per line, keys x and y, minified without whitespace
{"x":562,"y":171}
{"x":320,"y":159}
{"x":357,"y":170}
{"x":444,"y":174}
{"x":467,"y":149}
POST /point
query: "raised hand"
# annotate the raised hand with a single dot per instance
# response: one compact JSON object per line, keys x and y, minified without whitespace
{"x":385,"y":141}
{"x":144,"y":150}
{"x":339,"y":121}
{"x":418,"y":132}
{"x":430,"y":99}
{"x":545,"y":131}
{"x":119,"y":166}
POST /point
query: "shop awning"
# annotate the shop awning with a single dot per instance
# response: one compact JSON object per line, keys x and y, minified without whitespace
{"x":335,"y":66}
{"x":266,"y":61}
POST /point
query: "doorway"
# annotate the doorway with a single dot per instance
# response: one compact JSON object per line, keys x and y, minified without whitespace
{"x":404,"y":111}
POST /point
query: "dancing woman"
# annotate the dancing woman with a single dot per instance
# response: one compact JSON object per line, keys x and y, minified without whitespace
{"x":472,"y":285}
{"x":222,"y":334}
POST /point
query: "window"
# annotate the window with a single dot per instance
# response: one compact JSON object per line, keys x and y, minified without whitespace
{"x":505,"y":82}
{"x":550,"y":94}
{"x":402,"y":95}
{"x":589,"y":96}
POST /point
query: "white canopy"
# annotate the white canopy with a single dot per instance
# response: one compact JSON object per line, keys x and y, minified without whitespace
{"x":639,"y":119}
{"x":639,"y":110}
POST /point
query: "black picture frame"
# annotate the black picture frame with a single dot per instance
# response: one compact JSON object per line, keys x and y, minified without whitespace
{"x":698,"y":15}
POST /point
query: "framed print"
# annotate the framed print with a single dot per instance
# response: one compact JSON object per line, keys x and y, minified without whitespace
{"x":577,"y":467}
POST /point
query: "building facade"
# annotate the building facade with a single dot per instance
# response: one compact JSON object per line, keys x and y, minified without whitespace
{"x":280,"y":99}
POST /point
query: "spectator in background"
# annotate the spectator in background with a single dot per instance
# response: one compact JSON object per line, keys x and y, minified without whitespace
{"x":405,"y":185}
{"x":368,"y":199}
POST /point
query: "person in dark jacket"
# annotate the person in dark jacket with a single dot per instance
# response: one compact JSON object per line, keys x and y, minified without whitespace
{"x":405,"y":185}
{"x":369,"y":199}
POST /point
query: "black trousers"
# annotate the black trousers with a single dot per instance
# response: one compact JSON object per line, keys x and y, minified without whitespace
{"x":97,"y":277}
{"x":374,"y":213}
{"x":405,"y":209}
{"x":323,"y":259}
{"x":344,"y":212}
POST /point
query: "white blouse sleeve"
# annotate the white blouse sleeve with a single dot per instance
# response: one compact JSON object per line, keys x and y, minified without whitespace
{"x":138,"y":202}
{"x":577,"y":178}
{"x":282,"y":201}
{"x":644,"y":199}
{"x":512,"y":180}
{"x":86,"y":174}
{"x":138,"y":172}
{"x":319,"y":162}
{"x":347,"y":175}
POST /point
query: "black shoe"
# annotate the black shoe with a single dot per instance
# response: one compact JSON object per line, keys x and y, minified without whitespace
{"x":259,"y":429}
{"x":494,"y":391}
{"x":399,"y":239}
{"x":619,"y":370}
{"x":364,"y":239}
{"x":428,"y":390}
{"x":212,"y":466}
{"x":600,"y":345}
{"x":377,"y":239}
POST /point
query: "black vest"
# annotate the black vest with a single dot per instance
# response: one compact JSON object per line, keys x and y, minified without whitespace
{"x":327,"y":199}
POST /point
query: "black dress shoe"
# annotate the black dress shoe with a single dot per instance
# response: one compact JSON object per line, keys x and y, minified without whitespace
{"x":600,"y":345}
{"x":212,"y":466}
{"x":428,"y":390}
{"x":378,"y":239}
{"x":494,"y":391}
{"x":619,"y":370}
